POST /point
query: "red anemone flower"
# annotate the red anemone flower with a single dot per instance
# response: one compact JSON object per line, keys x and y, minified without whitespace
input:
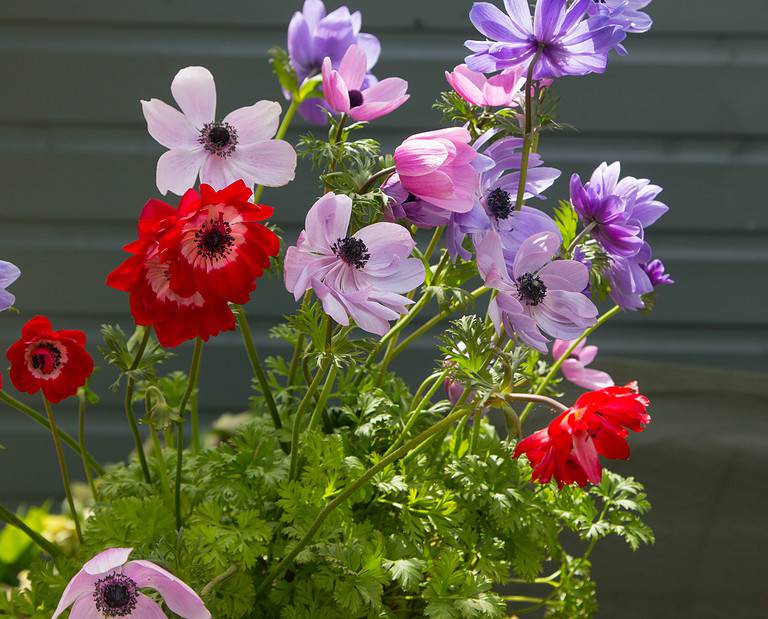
{"x":218,"y":245}
{"x":54,"y":361}
{"x":145,"y":276}
{"x":597,"y":424}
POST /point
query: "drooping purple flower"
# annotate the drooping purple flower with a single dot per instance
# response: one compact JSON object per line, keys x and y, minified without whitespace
{"x":575,"y":369}
{"x":656,"y":273}
{"x":9,"y":273}
{"x":539,"y":293}
{"x":623,"y":13}
{"x":570,"y":44}
{"x":110,"y":586}
{"x":618,"y":211}
{"x":314,"y":35}
{"x":628,"y":280}
{"x":361,"y":275}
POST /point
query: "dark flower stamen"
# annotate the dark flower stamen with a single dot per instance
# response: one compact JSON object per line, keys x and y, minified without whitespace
{"x":355,"y":98}
{"x":45,"y":358}
{"x":531,"y":289}
{"x":115,"y":595}
{"x":352,"y":251}
{"x":499,"y":203}
{"x":218,"y":138}
{"x":214,"y":238}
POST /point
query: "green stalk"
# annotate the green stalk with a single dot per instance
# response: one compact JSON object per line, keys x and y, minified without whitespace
{"x":527,"y":138}
{"x":83,"y":452}
{"x":42,"y":421}
{"x":194,"y":373}
{"x":375,"y":177}
{"x":14,"y":521}
{"x":296,"y":356}
{"x":557,"y":364}
{"x":281,"y":131}
{"x":128,"y":405}
{"x":323,"y":399}
{"x":63,"y":467}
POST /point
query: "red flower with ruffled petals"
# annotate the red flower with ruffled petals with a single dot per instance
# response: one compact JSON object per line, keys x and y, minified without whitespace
{"x":218,"y":245}
{"x":145,"y":276}
{"x":598,"y":424}
{"x":54,"y":361}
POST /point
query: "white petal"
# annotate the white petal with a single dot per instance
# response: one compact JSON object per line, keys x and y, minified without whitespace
{"x":255,"y":123}
{"x":219,"y":172}
{"x":169,"y":126}
{"x":177,"y":170}
{"x":195,"y":92}
{"x":271,"y":163}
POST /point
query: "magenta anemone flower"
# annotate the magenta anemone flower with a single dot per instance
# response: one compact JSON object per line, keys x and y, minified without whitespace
{"x":436,"y":167}
{"x":345,"y":94}
{"x":110,"y":586}
{"x":238,"y":147}
{"x":539,"y":294}
{"x":362,"y":275}
{"x":9,"y":273}
{"x":569,"y":43}
{"x":499,"y":90}
{"x":574,"y":368}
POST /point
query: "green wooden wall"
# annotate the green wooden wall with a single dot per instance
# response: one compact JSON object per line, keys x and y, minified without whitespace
{"x":687,"y":109}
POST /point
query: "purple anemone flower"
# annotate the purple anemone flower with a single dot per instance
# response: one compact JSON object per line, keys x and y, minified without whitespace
{"x":628,"y":280}
{"x":625,"y":14}
{"x":539,"y":294}
{"x":9,"y":273}
{"x":110,"y":586}
{"x":314,"y":35}
{"x":361,"y":275}
{"x":569,"y":43}
{"x":575,"y":369}
{"x":618,"y":210}
{"x":656,"y":273}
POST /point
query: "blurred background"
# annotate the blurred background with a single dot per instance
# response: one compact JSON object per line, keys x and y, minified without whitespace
{"x":687,"y":109}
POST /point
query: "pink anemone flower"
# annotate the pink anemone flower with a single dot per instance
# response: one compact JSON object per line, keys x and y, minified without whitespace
{"x":109,"y":586}
{"x":539,"y":293}
{"x":574,"y":368}
{"x":238,"y":147}
{"x":499,"y":90}
{"x":362,"y":275}
{"x":436,"y":167}
{"x":344,"y":92}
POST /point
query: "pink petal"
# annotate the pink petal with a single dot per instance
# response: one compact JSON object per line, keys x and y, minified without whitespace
{"x":385,"y":240}
{"x":271,"y":163}
{"x":353,"y":67}
{"x":559,"y":347}
{"x":585,"y":378}
{"x":335,"y":89}
{"x":408,"y":276}
{"x":178,"y":596}
{"x":536,"y":251}
{"x":572,"y":275}
{"x":80,"y":585}
{"x":371,"y":111}
{"x":490,"y":256}
{"x":84,"y":608}
{"x":107,"y":560}
{"x":468,"y":84}
{"x":328,"y":219}
{"x":501,"y":89}
{"x":586,"y":355}
{"x":147,"y":608}
{"x":255,"y":123}
{"x":195,"y":92}
{"x":169,"y":126}
{"x":219,"y":172}
{"x":177,"y":170}
{"x":420,"y":157}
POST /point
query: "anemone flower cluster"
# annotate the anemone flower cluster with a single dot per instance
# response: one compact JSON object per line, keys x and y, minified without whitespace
{"x":361,"y":275}
{"x":240,"y":146}
{"x":189,"y":263}
{"x":598,"y":424}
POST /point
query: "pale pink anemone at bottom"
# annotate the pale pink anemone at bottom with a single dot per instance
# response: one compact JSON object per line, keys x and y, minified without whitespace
{"x":574,"y":368}
{"x":344,"y":92}
{"x":362,"y":275}
{"x":109,"y":586}
{"x":539,"y":293}
{"x":503,"y":89}
{"x":238,"y":147}
{"x":436,"y":167}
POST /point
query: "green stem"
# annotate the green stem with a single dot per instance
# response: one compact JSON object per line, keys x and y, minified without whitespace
{"x":215,"y":582}
{"x":557,"y":364}
{"x":527,"y":138}
{"x":323,"y":399}
{"x":194,"y":373}
{"x":303,"y":406}
{"x":281,"y":131}
{"x":296,"y":356}
{"x":160,"y":457}
{"x":585,"y":231}
{"x":14,"y":521}
{"x":438,"y":234}
{"x":128,"y":405}
{"x":258,"y":369}
{"x":63,"y":467}
{"x":475,"y":436}
{"x":83,"y":451}
{"x":375,"y":177}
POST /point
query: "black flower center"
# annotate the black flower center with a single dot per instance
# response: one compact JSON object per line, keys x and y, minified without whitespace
{"x":115,"y":595}
{"x":45,"y":358}
{"x":355,"y":98}
{"x":410,"y":198}
{"x":352,"y":251}
{"x":218,"y":138}
{"x":531,"y":289}
{"x":499,"y":203}
{"x":214,"y":238}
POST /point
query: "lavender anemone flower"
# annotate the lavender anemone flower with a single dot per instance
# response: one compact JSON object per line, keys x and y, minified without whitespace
{"x":628,"y":280}
{"x":238,"y":147}
{"x":625,"y":14}
{"x":569,"y":43}
{"x":617,"y":211}
{"x":314,"y":35}
{"x":9,"y":273}
{"x":539,"y":294}
{"x":359,"y":275}
{"x":575,"y":369}
{"x":656,"y":273}
{"x":109,"y":586}
{"x":345,"y":94}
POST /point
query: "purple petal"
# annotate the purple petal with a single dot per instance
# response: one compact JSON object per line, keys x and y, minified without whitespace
{"x":9,"y":273}
{"x":80,"y":586}
{"x":497,"y":25}
{"x":535,"y":252}
{"x":328,"y":220}
{"x":178,"y":596}
{"x":147,"y":608}
{"x":84,"y":608}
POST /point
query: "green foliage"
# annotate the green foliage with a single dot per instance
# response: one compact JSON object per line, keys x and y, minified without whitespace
{"x":567,"y":221}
